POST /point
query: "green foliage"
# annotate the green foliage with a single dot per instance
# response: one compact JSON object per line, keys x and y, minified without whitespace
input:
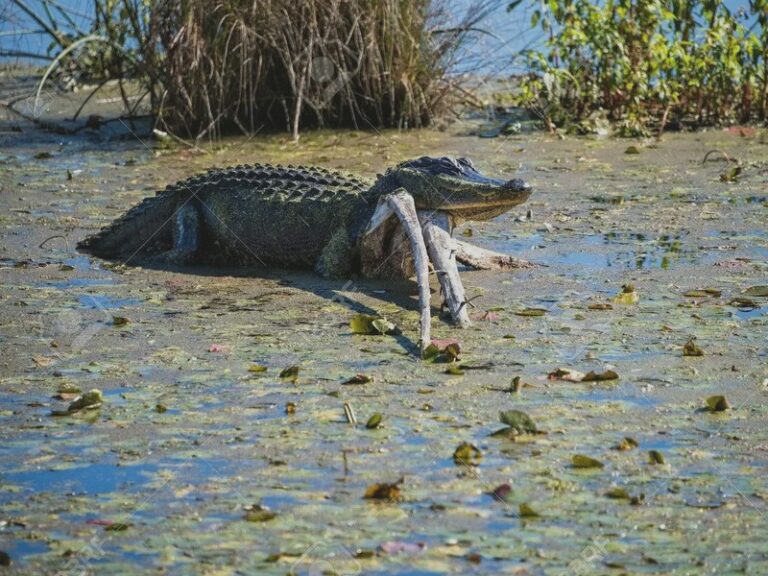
{"x":646,"y":62}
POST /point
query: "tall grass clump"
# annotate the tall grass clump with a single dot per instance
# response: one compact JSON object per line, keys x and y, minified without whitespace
{"x":295,"y":63}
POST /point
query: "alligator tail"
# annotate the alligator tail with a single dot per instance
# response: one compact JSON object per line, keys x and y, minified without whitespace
{"x":147,"y":228}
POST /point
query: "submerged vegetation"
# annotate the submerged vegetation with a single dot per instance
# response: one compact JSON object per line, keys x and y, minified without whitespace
{"x":648,"y":63}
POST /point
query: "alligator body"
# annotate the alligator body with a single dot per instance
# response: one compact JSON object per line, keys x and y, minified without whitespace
{"x":311,"y":217}
{"x":302,"y":217}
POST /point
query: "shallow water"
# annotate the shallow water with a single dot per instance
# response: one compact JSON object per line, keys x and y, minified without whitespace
{"x":161,"y":476}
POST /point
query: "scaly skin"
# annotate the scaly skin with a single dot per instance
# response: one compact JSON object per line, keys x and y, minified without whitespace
{"x":291,"y":216}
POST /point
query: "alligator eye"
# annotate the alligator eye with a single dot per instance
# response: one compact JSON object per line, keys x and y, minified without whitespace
{"x":467,"y":162}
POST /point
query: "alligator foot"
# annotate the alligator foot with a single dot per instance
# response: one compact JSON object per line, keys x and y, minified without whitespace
{"x":483,"y":259}
{"x":442,"y":252}
{"x":403,"y":206}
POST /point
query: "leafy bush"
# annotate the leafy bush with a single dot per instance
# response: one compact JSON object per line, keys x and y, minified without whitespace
{"x":646,"y":62}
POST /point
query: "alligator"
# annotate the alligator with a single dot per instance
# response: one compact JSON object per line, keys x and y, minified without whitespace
{"x":309,"y":217}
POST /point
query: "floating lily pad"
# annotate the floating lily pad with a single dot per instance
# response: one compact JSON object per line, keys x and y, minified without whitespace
{"x":531,"y":312}
{"x":627,"y":443}
{"x":119,"y":320}
{"x":384,"y":491}
{"x":519,"y":421}
{"x":446,"y":350}
{"x":90,"y":400}
{"x":257,"y":368}
{"x":632,"y":150}
{"x":628,"y":295}
{"x":582,"y":461}
{"x":600,"y":376}
{"x":757,"y":291}
{"x":718,"y":403}
{"x":691,"y":349}
{"x":258,"y":513}
{"x":358,"y":379}
{"x":371,"y":325}
{"x":656,"y":457}
{"x":291,"y":373}
{"x":467,"y":454}
{"x":600,"y":306}
{"x":745,"y":303}
{"x":374,"y":421}
{"x":527,"y":511}
{"x":617,"y":493}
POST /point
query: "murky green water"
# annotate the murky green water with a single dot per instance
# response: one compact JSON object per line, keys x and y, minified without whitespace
{"x":188,"y":439}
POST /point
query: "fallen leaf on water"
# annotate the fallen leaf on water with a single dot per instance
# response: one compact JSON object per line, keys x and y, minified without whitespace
{"x":291,"y":373}
{"x":740,"y":302}
{"x":756,"y":291}
{"x":632,"y":150}
{"x":567,"y":374}
{"x":731,"y":175}
{"x":531,"y":312}
{"x":702,"y":293}
{"x":618,"y":493}
{"x":582,"y":461}
{"x":370,"y":325}
{"x":691,"y":349}
{"x":290,"y":408}
{"x":256,"y":368}
{"x":42,"y":360}
{"x":374,"y":421}
{"x":467,"y":454}
{"x":526,"y":511}
{"x":502,"y":492}
{"x":600,"y":306}
{"x":519,"y":421}
{"x":358,"y":379}
{"x":454,"y":370}
{"x":258,"y":513}
{"x":656,"y":457}
{"x":161,"y":408}
{"x":445,"y":350}
{"x":627,"y":295}
{"x":118,"y":527}
{"x":396,"y":547}
{"x":718,"y":403}
{"x":627,"y":443}
{"x":87,"y":401}
{"x":384,"y":491}
{"x":119,"y":320}
{"x":600,"y":376}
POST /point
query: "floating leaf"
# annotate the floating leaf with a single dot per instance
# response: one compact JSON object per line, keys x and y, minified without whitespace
{"x":519,"y":421}
{"x":600,"y":376}
{"x":656,"y":457}
{"x":627,"y":443}
{"x":454,"y":370}
{"x":618,"y":493}
{"x":88,"y":401}
{"x":718,"y":403}
{"x":600,"y":306}
{"x":467,"y":232}
{"x":467,"y":454}
{"x":502,"y":492}
{"x":731,"y":175}
{"x":119,"y":320}
{"x":374,"y":421}
{"x":118,"y":527}
{"x":702,"y":293}
{"x":290,"y":408}
{"x":258,"y":513}
{"x":256,"y":368}
{"x":627,"y":295}
{"x":161,"y":408}
{"x":531,"y":312}
{"x":384,"y":491}
{"x":691,"y":349}
{"x":567,"y":374}
{"x":632,"y":150}
{"x":526,"y":511}
{"x":291,"y":373}
{"x":358,"y":379}
{"x":746,"y":303}
{"x":371,"y":325}
{"x":582,"y":461}
{"x":756,"y":291}
{"x":445,"y":350}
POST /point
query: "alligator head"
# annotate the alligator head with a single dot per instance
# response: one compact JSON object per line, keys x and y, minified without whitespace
{"x":457,"y":188}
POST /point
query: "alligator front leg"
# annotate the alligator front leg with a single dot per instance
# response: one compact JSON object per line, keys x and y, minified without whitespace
{"x":401,"y":203}
{"x":483,"y":259}
{"x":442,"y":252}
